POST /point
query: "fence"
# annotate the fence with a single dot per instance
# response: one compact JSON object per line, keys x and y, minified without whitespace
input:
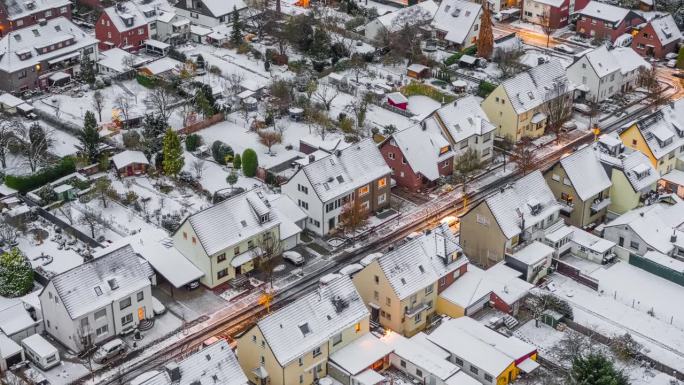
{"x":575,"y":274}
{"x":63,"y":225}
{"x":202,"y":124}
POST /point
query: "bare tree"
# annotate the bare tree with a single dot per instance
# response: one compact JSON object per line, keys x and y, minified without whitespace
{"x":128,"y":62}
{"x":268,"y":255}
{"x":573,"y":345}
{"x":8,"y":233}
{"x":269,"y":138}
{"x":507,"y":61}
{"x":523,"y":155}
{"x":8,"y":127}
{"x":547,"y":27}
{"x":326,"y":94}
{"x":558,"y":106}
{"x":198,"y":167}
{"x":353,"y":217}
{"x":321,"y":123}
{"x":104,"y":190}
{"x":98,"y":103}
{"x":359,"y":107}
{"x":93,"y":220}
{"x":36,"y":142}
{"x":123,"y":104}
{"x":648,"y":79}
{"x":67,"y":212}
{"x":467,"y":164}
{"x":161,"y":100}
{"x":234,"y":83}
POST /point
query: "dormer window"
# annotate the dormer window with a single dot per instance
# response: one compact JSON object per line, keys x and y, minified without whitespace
{"x":304,"y":328}
{"x":264,"y":218}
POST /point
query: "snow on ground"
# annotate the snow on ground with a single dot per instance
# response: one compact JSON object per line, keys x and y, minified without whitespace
{"x":63,"y":258}
{"x":214,"y":175}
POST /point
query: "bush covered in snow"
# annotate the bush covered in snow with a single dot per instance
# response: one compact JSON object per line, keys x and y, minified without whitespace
{"x":16,"y":274}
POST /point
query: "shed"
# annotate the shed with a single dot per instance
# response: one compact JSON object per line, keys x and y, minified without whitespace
{"x":459,"y":85}
{"x":398,"y":100}
{"x":467,"y":61}
{"x":9,"y":103}
{"x":552,"y":318}
{"x":418,"y":71}
{"x":157,"y":47}
{"x":129,"y":163}
{"x":65,"y":192}
{"x":295,"y":113}
{"x":10,"y":353}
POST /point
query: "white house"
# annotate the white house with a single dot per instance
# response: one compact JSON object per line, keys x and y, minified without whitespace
{"x":323,"y":187}
{"x":209,"y":13}
{"x":602,"y":73}
{"x":457,"y":22}
{"x":465,"y":125}
{"x":116,"y":62}
{"x":99,"y":299}
{"x":393,"y":21}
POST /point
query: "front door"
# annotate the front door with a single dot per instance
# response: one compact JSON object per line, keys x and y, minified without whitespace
{"x":375,"y":314}
{"x":331,"y":223}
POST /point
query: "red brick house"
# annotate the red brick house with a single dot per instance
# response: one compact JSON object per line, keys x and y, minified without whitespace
{"x":129,"y":163}
{"x":657,"y":38}
{"x":605,"y":21}
{"x":418,"y":157}
{"x":554,"y":13}
{"x":17,"y":14}
{"x":123,"y":26}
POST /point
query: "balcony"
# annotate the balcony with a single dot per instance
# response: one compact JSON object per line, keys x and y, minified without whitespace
{"x":415,"y":309}
{"x":566,"y":206}
{"x":600,"y":204}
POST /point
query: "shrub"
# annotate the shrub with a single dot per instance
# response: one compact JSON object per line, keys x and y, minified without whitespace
{"x":485,"y":88}
{"x":237,"y":162}
{"x":26,"y":183}
{"x":16,"y":274}
{"x":416,"y":88}
{"x":219,"y":151}
{"x":147,"y":81}
{"x":192,"y":142}
{"x":250,"y":162}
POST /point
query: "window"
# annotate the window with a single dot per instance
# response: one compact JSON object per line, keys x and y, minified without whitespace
{"x":128,"y":318}
{"x":84,"y":323}
{"x":388,"y":301}
{"x":357,"y":327}
{"x":377,"y":279}
{"x":417,"y":318}
{"x":365,"y":206}
{"x":222,"y":273}
{"x":364,"y":190}
{"x":263,"y":344}
{"x":48,"y":323}
{"x":64,"y":10}
{"x":194,"y":241}
{"x":100,"y":314}
{"x":419,"y":373}
{"x":102,"y":330}
{"x":337,"y":338}
{"x":254,"y":339}
{"x":50,"y":295}
{"x":402,"y":363}
{"x":236,"y":250}
{"x":428,"y":290}
{"x":185,"y":235}
{"x":125,"y":303}
{"x":301,"y":361}
{"x":403,"y":160}
{"x":634,"y":245}
{"x":458,"y":361}
{"x":382,"y":183}
{"x":140,"y":296}
{"x":303,"y":189}
{"x":474,"y":370}
{"x":382,"y":198}
{"x":390,"y":155}
{"x":464,"y":144}
{"x":376,"y":295}
{"x":222,"y":257}
{"x":48,"y":13}
{"x":303,"y":204}
{"x":301,"y":378}
{"x":488,"y":377}
{"x":22,"y":74}
{"x":20,"y":23}
{"x":316,"y":352}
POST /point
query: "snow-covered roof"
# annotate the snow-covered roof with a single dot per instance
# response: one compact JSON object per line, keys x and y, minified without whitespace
{"x":461,"y":119}
{"x":215,"y":364}
{"x":289,"y":213}
{"x":128,"y":157}
{"x":220,"y":8}
{"x":157,"y":249}
{"x":587,"y":175}
{"x":98,"y":282}
{"x":476,"y":283}
{"x":456,"y":17}
{"x":639,"y":170}
{"x":537,"y":85}
{"x":39,"y":345}
{"x":655,"y":224}
{"x":17,"y":9}
{"x":397,"y":97}
{"x":361,"y":353}
{"x":602,"y":61}
{"x":424,"y":148}
{"x":346,"y":170}
{"x":312,"y":319}
{"x":10,"y":100}
{"x":234,"y":220}
{"x":8,"y":347}
{"x":664,"y":129}
{"x":30,"y":39}
{"x":480,"y":346}
{"x":126,"y":16}
{"x":419,"y":355}
{"x":675,"y":176}
{"x":553,"y":3}
{"x":666,"y":29}
{"x":533,"y":253}
{"x":114,"y":59}
{"x":368,"y":377}
{"x":422,"y":261}
{"x":665,"y":261}
{"x":604,"y":11}
{"x":13,"y":316}
{"x":590,"y":241}
{"x":417,"y":13}
{"x":162,"y":65}
{"x":628,"y":60}
{"x":529,"y":197}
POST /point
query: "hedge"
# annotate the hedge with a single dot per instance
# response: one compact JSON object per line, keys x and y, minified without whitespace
{"x":416,"y":88}
{"x":453,"y":59}
{"x":147,"y":81}
{"x":26,"y":183}
{"x":485,"y":88}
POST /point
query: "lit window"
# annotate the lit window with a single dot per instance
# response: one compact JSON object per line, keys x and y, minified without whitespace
{"x":382,"y":183}
{"x":364,"y":190}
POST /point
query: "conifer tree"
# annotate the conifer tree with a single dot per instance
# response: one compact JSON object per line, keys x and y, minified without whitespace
{"x":485,"y":40}
{"x":173,"y":160}
{"x":236,"y":34}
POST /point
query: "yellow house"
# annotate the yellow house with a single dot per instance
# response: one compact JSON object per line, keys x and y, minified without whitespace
{"x":519,"y":107}
{"x":660,"y":136}
{"x":400,"y":288}
{"x":482,"y":353}
{"x":224,"y":240}
{"x":292,"y":345}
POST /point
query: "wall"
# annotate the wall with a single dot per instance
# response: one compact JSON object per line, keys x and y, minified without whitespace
{"x":632,"y":138}
{"x":105,"y":31}
{"x":189,"y":129}
{"x":411,"y":369}
{"x":250,"y":357}
{"x":581,"y":212}
{"x":500,"y":112}
{"x":582,"y":72}
{"x":364,"y":281}
{"x":622,"y":195}
{"x":193,"y":251}
{"x":613,"y":234}
{"x":58,"y":323}
{"x":315,"y":209}
{"x":32,"y":19}
{"x":402,"y":172}
{"x":483,"y":243}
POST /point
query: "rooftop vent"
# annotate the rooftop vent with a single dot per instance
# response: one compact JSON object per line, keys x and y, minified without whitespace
{"x":304,"y":328}
{"x":113,"y":284}
{"x":173,"y":371}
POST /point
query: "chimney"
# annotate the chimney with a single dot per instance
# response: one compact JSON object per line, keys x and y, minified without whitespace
{"x":673,"y":237}
{"x":338,"y":153}
{"x":423,"y":125}
{"x":173,"y":371}
{"x":312,"y":158}
{"x":42,"y":22}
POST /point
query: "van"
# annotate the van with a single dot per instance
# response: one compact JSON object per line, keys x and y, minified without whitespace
{"x":109,"y":350}
{"x":624,"y":40}
{"x":41,"y":352}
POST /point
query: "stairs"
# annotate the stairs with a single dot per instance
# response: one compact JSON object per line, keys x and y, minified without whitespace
{"x":510,"y":322}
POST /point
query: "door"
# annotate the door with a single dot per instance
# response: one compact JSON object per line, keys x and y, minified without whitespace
{"x":331,"y":223}
{"x":375,"y":314}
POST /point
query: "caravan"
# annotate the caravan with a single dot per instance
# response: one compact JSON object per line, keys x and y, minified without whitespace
{"x":40,"y":351}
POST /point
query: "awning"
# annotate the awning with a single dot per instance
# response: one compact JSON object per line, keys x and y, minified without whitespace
{"x":538,"y":117}
{"x":260,"y":372}
{"x":459,"y":83}
{"x":65,"y":57}
{"x":583,"y":88}
{"x":157,"y":44}
{"x":57,"y":76}
{"x":369,"y":377}
{"x":245,"y":257}
{"x":528,"y":365}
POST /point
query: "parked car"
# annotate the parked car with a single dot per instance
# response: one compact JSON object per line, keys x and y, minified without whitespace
{"x":158,"y":308}
{"x":192,"y":285}
{"x":569,"y":125}
{"x":678,"y":74}
{"x":624,"y":40}
{"x":671,"y":63}
{"x":294,"y":258}
{"x":351,"y":269}
{"x":671,"y":55}
{"x":564,"y":48}
{"x":109,"y":350}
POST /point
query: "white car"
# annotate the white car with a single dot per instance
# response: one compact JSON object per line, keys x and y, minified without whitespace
{"x":671,"y":63}
{"x":294,"y":258}
{"x":564,"y":48}
{"x":350,"y":270}
{"x":109,"y":350}
{"x":671,"y":55}
{"x":158,"y":308}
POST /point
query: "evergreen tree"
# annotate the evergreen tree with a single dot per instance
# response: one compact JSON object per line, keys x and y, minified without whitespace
{"x":87,"y":70}
{"x":16,"y":274}
{"x":154,"y":127}
{"x":200,"y":62}
{"x":173,"y":160}
{"x":485,"y":40}
{"x":320,"y":46}
{"x":595,"y":369}
{"x":250,"y":162}
{"x":232,"y":179}
{"x":90,"y":138}
{"x":237,"y":162}
{"x":236,"y":33}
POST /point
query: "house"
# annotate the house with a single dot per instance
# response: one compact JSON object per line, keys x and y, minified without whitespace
{"x":603,"y":21}
{"x":122,"y":26}
{"x":418,"y":71}
{"x":420,"y":13}
{"x":673,"y":182}
{"x":170,"y":28}
{"x":533,"y":261}
{"x":163,"y":67}
{"x":457,"y":23}
{"x":252,"y":224}
{"x":15,"y":15}
{"x":361,"y":361}
{"x":117,"y":62}
{"x":397,"y":100}
{"x":293,"y":344}
{"x":418,"y":156}
{"x":98,"y":300}
{"x":519,"y":107}
{"x":49,"y":53}
{"x":19,"y":319}
{"x":209,"y":13}
{"x":324,"y":187}
{"x":658,"y":37}
{"x":605,"y":73}
{"x":482,"y":353}
{"x":658,"y":227}
{"x":660,"y":136}
{"x":10,"y":104}
{"x":130,"y":163}
{"x":216,"y":362}
{"x":466,"y":127}
{"x":633,"y":177}
{"x":401,"y":287}
{"x":553,"y":14}
{"x":516,"y":214}
{"x":582,"y":187}
{"x":500,"y":287}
